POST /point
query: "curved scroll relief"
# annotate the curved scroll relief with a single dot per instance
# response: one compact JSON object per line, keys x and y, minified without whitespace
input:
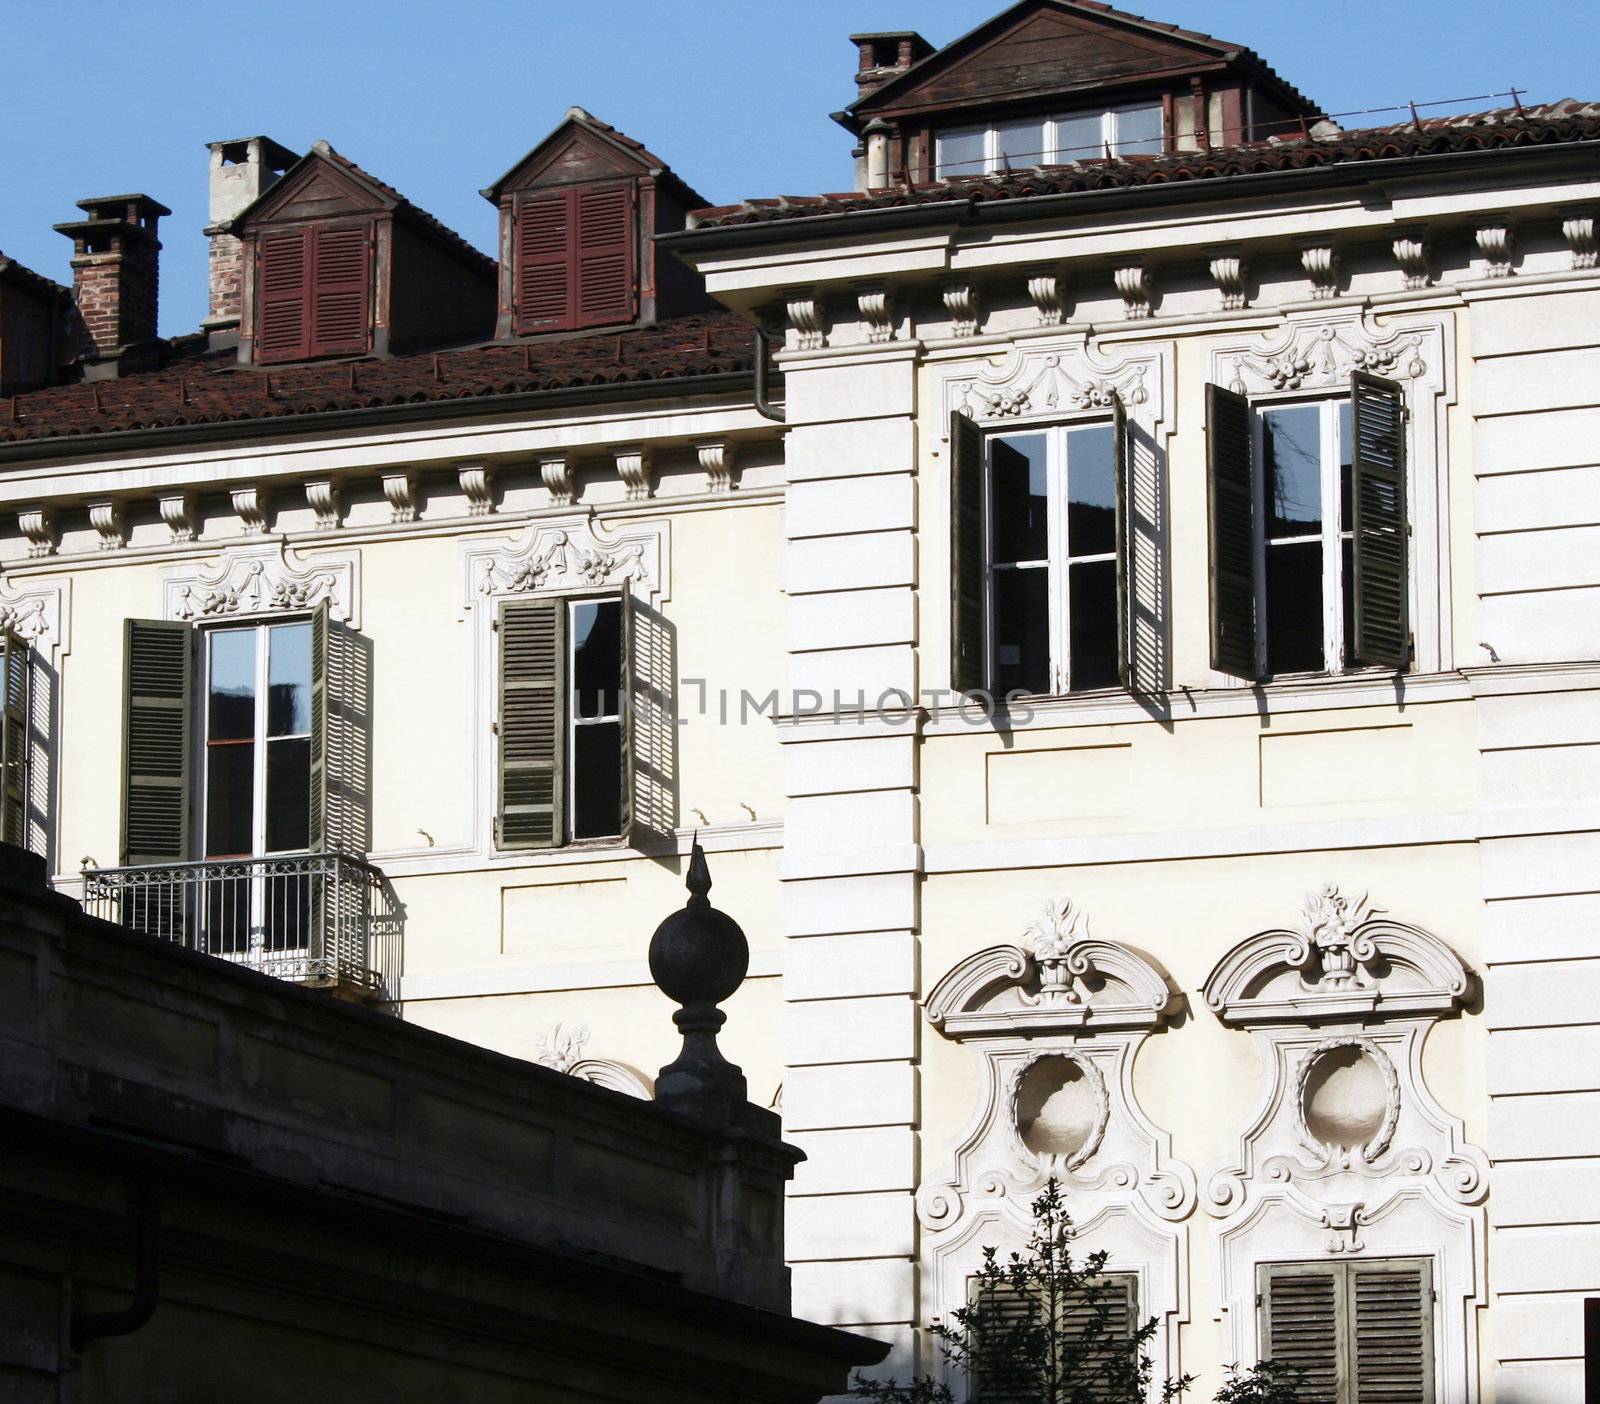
{"x":1347,"y":1151}
{"x":570,"y":553}
{"x":1056,"y":379}
{"x":264,"y":579}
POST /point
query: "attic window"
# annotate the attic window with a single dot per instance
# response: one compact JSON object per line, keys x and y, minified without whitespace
{"x":313,"y":291}
{"x":574,"y":254}
{"x":1137,"y":129}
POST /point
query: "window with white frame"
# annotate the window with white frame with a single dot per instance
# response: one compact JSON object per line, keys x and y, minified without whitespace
{"x":1137,"y":128}
{"x":1051,"y":514}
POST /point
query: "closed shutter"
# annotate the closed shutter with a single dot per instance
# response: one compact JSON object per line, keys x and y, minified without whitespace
{"x":649,"y":730}
{"x":157,"y":673}
{"x":15,"y":673}
{"x":283,"y":278}
{"x":543,"y":253}
{"x":968,"y":668}
{"x":1303,"y":1325}
{"x":340,"y":293}
{"x":1016,"y":1325}
{"x":532,"y":722}
{"x":1233,"y":533}
{"x":1378,"y":496}
{"x":1392,"y":1309}
{"x":606,"y":234}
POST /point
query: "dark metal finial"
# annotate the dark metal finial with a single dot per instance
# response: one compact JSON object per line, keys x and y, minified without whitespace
{"x":699,"y":879}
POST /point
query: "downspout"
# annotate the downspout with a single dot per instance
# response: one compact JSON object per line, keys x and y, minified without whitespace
{"x":764,"y":407}
{"x":98,"y":1326}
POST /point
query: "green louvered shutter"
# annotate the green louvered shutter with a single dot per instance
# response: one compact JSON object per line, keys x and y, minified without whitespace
{"x":158,"y":670}
{"x":1125,"y":545}
{"x":1391,"y":1310}
{"x":15,"y":674}
{"x":1379,"y":528}
{"x":1233,"y":533}
{"x":1303,"y":1323}
{"x":1016,"y":1323}
{"x":967,"y":629}
{"x":531,"y":723}
{"x":318,"y":826}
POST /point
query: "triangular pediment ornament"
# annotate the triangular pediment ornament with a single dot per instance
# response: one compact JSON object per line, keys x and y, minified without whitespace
{"x":581,"y":149}
{"x":315,"y":187}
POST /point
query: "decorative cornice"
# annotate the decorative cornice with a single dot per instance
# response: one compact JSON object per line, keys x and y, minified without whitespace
{"x":251,"y":506}
{"x":961,"y":302}
{"x":264,"y":579}
{"x":322,"y":496}
{"x":177,"y":511}
{"x":400,"y":489}
{"x":1413,"y":252}
{"x":38,"y":524}
{"x":633,"y":467}
{"x":110,"y":526}
{"x":1321,"y":264}
{"x":555,"y":469}
{"x":876,"y":305}
{"x":1045,"y":382}
{"x":1228,"y":271}
{"x":1136,"y":287}
{"x":477,"y":484}
{"x":716,"y":461}
{"x":559,"y":557}
{"x":1578,"y":231}
{"x":1497,"y":242}
{"x":809,"y":317}
{"x":1047,"y":288}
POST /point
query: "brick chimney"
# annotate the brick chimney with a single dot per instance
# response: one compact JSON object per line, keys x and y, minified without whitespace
{"x":885,"y":55}
{"x":115,"y":276}
{"x":241,"y":170}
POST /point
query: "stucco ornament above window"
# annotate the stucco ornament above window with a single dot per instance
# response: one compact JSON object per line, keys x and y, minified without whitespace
{"x":38,"y":614}
{"x":1062,"y":377}
{"x":1347,"y":1152}
{"x":1055,"y":1021}
{"x":570,"y":554}
{"x":264,"y":579}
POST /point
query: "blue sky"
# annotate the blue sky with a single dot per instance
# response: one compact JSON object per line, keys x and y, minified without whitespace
{"x":106,"y":96}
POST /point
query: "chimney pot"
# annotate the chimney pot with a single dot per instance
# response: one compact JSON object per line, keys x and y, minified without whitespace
{"x":881,"y":57}
{"x":241,"y":170}
{"x":115,"y":280}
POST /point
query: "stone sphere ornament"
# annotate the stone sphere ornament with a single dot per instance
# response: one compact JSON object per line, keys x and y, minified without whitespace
{"x":698,"y":958}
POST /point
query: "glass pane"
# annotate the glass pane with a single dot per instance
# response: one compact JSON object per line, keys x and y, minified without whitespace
{"x":1021,"y":144}
{"x":1080,"y":137}
{"x":1092,"y":491}
{"x":1021,"y":630}
{"x":597,"y":657}
{"x":597,"y":780}
{"x":286,"y":900}
{"x":1346,"y":521}
{"x":227,"y":915}
{"x":1018,"y":517}
{"x":288,"y":794}
{"x":1294,"y":608}
{"x":231,"y":703}
{"x":960,"y":152}
{"x":289,"y":680}
{"x":1138,"y":130}
{"x":230,"y":780}
{"x":1092,"y":625}
{"x":1291,"y":457}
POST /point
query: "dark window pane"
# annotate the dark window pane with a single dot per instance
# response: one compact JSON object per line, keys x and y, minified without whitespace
{"x":286,"y":915}
{"x":227,"y":915}
{"x":1021,"y":630}
{"x":1294,"y":608}
{"x":231,"y":704}
{"x":1345,"y":441}
{"x":289,"y":680}
{"x":1291,"y":456}
{"x":1347,"y":588}
{"x":230,"y":778}
{"x":1092,"y":622}
{"x":288,"y":794}
{"x":1092,"y":491}
{"x":597,"y":657}
{"x":597,"y":783}
{"x":1018,"y":496}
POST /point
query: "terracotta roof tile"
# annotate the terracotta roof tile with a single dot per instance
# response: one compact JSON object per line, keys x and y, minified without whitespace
{"x":214,"y":389}
{"x":1565,"y":121}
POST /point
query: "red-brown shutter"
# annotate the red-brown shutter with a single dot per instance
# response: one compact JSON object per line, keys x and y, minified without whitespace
{"x":283,"y":273}
{"x":543,"y":253}
{"x":606,"y":237}
{"x":340,"y":290}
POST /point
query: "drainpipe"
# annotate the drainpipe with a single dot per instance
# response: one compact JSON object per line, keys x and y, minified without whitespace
{"x":764,"y":407}
{"x":98,"y":1326}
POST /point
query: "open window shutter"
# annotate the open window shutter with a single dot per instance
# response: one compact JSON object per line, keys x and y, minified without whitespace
{"x":606,"y":234}
{"x":1124,"y":530}
{"x":15,"y":671}
{"x":1378,"y":495}
{"x":157,"y":673}
{"x":1233,"y":531}
{"x":649,"y":730}
{"x":531,"y":723}
{"x":283,"y":294}
{"x":1303,"y":1322}
{"x":967,"y":631}
{"x":544,"y":258}
{"x":340,"y":289}
{"x":318,"y":827}
{"x":1391,"y":1308}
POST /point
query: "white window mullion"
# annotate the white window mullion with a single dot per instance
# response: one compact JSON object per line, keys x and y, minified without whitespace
{"x":1332,"y":547}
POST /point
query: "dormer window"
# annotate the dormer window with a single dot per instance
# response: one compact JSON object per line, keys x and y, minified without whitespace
{"x":314,"y":291}
{"x":1135,"y":129}
{"x":574,"y":258}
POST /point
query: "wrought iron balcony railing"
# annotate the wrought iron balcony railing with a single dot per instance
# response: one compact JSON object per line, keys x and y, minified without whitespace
{"x":316,"y":919}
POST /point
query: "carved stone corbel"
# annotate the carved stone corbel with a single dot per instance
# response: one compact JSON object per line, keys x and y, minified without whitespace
{"x":1047,"y":288}
{"x":109,"y":524}
{"x":250,"y":506}
{"x":716,"y":459}
{"x":177,"y":511}
{"x":401,"y":491}
{"x":1497,"y":242}
{"x":322,"y":496}
{"x":961,"y":302}
{"x":477,"y":483}
{"x":556,"y":470}
{"x":1412,"y":251}
{"x":38,"y":524}
{"x":633,"y":467}
{"x":1136,"y":288}
{"x":1578,"y":231}
{"x":1228,"y":271}
{"x":876,"y":305}
{"x":809,"y":318}
{"x":1321,"y":264}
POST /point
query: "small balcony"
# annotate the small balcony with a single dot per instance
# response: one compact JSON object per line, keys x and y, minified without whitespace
{"x":323,"y":919}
